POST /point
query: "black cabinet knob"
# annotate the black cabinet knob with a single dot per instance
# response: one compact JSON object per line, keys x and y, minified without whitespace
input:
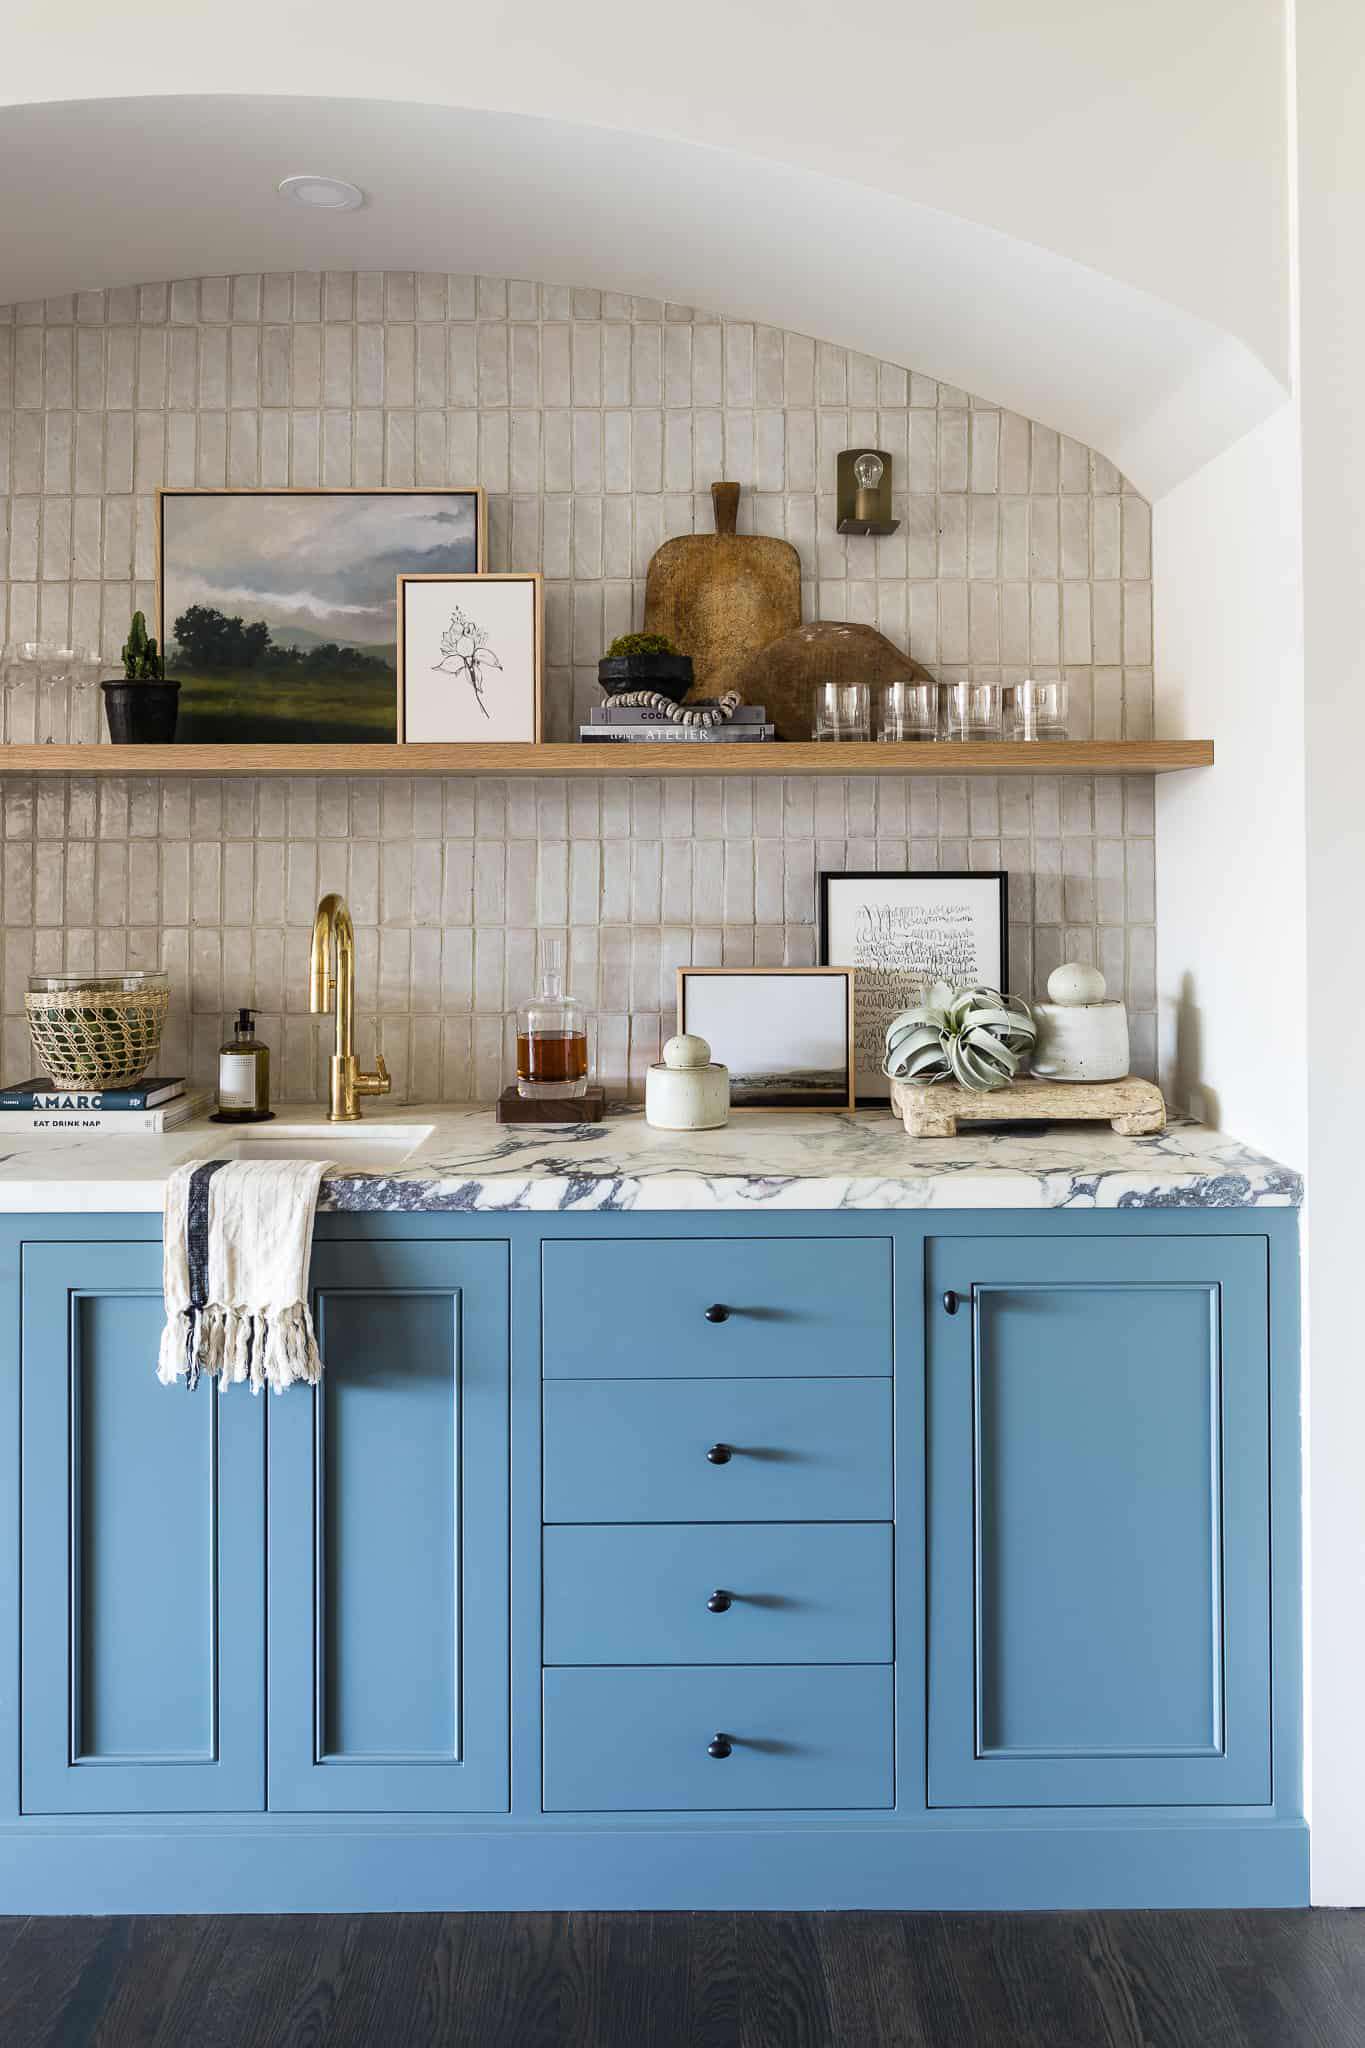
{"x":718,"y":1313}
{"x":719,"y":1745}
{"x":719,"y":1454}
{"x":719,"y":1603}
{"x":951,"y":1302}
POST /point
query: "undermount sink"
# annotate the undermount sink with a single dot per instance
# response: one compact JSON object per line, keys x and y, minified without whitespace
{"x":351,"y":1147}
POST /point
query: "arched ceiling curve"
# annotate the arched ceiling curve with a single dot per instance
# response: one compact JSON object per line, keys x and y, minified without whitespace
{"x":118,"y":190}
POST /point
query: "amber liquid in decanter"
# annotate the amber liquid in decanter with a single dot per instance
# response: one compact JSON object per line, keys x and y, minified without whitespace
{"x":552,"y":1037}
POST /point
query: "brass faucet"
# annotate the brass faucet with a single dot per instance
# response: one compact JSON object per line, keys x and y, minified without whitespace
{"x":332,"y":926}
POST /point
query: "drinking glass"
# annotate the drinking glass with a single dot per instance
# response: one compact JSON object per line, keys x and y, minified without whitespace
{"x":909,"y":711}
{"x":973,"y":711}
{"x":843,"y":711}
{"x":1038,"y":711}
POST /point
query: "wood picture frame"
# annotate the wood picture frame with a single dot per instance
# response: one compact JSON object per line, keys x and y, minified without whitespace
{"x":317,"y":664}
{"x":451,"y":719}
{"x":824,"y":1034}
{"x":923,"y":913}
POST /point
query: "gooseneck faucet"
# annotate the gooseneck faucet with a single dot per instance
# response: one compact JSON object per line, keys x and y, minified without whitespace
{"x":333,"y":931}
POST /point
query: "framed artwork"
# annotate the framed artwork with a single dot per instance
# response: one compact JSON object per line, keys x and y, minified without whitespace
{"x":785,"y":1033}
{"x":902,"y":933}
{"x":470,"y":656}
{"x":277,"y":609}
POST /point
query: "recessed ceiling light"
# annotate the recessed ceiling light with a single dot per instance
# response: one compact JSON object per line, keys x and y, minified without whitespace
{"x":336,"y":195}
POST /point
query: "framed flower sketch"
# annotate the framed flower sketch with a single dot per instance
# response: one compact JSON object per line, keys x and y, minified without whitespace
{"x":277,"y":610}
{"x":902,"y":933}
{"x":470,"y":657}
{"x":785,"y":1033}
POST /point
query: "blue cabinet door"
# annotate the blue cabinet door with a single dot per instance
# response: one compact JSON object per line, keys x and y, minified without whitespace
{"x":143,"y":1554}
{"x":388,"y":1543}
{"x":1099,"y":1522}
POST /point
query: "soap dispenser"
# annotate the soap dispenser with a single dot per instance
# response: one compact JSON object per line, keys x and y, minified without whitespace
{"x":244,"y":1076}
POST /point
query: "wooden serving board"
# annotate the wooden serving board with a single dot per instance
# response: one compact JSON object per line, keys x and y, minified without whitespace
{"x":784,"y":675}
{"x":588,"y":1108}
{"x":1135,"y":1109}
{"x":722,"y":596}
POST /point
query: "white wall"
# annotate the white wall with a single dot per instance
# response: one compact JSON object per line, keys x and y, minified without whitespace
{"x":1331,"y":122}
{"x":1231,"y":874}
{"x":1116,"y":138}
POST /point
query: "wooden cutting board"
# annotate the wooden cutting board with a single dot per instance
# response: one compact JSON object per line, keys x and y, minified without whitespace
{"x":784,"y":675}
{"x":722,"y":596}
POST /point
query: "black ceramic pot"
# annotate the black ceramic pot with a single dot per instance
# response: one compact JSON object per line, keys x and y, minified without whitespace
{"x":669,"y":674}
{"x":141,"y":714}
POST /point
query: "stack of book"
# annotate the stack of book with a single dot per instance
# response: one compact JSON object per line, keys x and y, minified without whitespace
{"x":157,"y":1103}
{"x":629,"y":722}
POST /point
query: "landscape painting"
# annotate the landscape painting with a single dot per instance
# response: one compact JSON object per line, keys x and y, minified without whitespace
{"x":278,"y":609}
{"x":785,"y":1033}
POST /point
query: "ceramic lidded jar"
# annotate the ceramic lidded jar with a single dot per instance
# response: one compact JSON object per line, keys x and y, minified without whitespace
{"x":687,"y":1090}
{"x":1081,"y":1037}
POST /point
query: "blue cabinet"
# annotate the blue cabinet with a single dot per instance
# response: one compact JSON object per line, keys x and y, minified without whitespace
{"x":1099,"y":1535}
{"x":388,"y":1538}
{"x":953,"y":1563}
{"x":142,"y":1612}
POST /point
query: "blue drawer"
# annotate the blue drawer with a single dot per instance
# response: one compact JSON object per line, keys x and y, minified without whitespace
{"x":799,"y":1736}
{"x":798,"y":1450}
{"x":784,"y":1593}
{"x":791,"y":1306}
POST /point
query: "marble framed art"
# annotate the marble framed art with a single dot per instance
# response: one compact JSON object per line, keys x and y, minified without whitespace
{"x":785,"y":1033}
{"x":277,"y":609}
{"x":903,"y":932}
{"x":470,"y":657}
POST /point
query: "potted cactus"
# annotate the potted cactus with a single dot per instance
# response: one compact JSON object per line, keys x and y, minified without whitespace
{"x":645,"y":661}
{"x":141,"y":705}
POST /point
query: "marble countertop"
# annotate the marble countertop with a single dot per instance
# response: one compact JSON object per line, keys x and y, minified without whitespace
{"x":467,"y":1163}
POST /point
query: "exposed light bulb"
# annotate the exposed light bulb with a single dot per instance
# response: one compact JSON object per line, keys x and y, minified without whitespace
{"x":868,"y":470}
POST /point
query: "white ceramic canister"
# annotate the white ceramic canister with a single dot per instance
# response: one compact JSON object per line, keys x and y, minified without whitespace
{"x":1081,"y":1037}
{"x":687,"y":1090}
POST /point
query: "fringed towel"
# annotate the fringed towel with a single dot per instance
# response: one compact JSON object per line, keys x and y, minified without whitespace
{"x":237,"y":1239}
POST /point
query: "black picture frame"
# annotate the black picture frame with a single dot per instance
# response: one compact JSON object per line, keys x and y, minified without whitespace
{"x":834,"y":877}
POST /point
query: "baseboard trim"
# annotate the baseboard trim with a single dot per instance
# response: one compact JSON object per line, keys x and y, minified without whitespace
{"x":349,"y":1870}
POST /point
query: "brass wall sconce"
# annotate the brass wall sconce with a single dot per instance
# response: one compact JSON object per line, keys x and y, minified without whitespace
{"x":863,"y":498}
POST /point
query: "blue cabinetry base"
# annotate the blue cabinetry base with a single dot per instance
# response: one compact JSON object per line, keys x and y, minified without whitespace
{"x":785,"y":1868}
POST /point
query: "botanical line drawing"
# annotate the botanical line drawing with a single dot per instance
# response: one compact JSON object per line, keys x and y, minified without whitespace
{"x":465,"y":651}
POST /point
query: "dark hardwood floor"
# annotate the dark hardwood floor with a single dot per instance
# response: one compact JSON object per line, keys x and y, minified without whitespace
{"x":720,"y":1980}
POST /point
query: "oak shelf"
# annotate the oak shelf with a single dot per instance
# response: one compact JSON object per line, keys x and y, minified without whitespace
{"x":1068,"y":757}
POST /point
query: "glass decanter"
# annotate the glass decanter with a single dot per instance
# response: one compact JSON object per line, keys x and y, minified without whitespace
{"x":552,"y":1035}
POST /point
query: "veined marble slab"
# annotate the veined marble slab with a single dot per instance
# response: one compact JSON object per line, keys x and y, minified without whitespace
{"x":861,"y":1160}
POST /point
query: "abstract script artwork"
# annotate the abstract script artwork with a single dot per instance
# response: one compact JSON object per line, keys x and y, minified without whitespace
{"x":902,"y":933}
{"x":469,"y":657}
{"x":279,"y":611}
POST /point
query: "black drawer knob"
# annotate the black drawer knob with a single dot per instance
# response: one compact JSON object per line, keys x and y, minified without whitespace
{"x":951,"y":1303}
{"x":719,"y":1603}
{"x":719,"y":1745}
{"x":718,"y":1313}
{"x":719,"y":1454}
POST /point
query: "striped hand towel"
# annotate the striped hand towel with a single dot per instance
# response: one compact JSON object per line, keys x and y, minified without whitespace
{"x":237,"y":1236}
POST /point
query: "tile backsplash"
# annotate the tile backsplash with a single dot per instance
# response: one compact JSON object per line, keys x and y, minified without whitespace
{"x":596,"y":424}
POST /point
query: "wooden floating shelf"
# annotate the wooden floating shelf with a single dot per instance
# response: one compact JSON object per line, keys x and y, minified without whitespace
{"x":672,"y":758}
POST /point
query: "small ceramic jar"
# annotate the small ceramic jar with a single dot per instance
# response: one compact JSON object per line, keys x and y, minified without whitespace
{"x":687,"y":1090}
{"x":1081,"y":1037}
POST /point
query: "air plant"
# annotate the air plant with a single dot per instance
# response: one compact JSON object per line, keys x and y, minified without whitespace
{"x":974,"y":1036}
{"x":465,"y":651}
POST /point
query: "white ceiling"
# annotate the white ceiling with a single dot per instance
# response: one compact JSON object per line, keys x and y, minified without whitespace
{"x":1079,"y":214}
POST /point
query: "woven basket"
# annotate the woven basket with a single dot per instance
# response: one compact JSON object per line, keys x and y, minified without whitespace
{"x":99,"y":1034}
